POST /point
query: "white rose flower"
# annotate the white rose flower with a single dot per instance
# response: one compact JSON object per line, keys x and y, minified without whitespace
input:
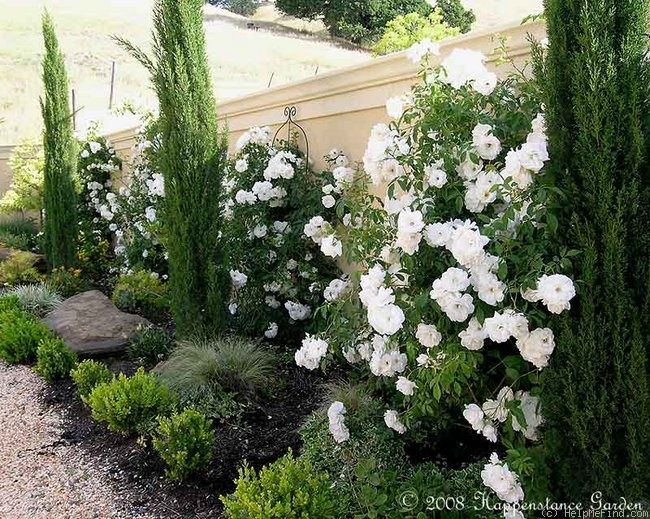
{"x":529,"y":406}
{"x":328,"y":201}
{"x":331,"y":246}
{"x":474,"y":415}
{"x":501,"y":326}
{"x":391,"y":418}
{"x":241,"y":165}
{"x":457,"y":307}
{"x":487,"y":145}
{"x":496,"y":409}
{"x":490,"y":432}
{"x":405,"y":386}
{"x":428,"y":335}
{"x":395,"y":106}
{"x":437,"y":234}
{"x":537,"y":347}
{"x":502,"y":481}
{"x":555,"y":292}
{"x":260,"y":230}
{"x":272,"y":331}
{"x":473,"y":337}
{"x":386,"y":320}
{"x":337,"y":427}
{"x":239,"y":279}
{"x":435,"y":175}
{"x":297,"y":311}
{"x":311,"y":352}
{"x":409,"y":222}
{"x":245,"y":197}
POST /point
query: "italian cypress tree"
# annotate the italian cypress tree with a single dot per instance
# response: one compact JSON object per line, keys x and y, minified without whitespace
{"x":60,"y":223}
{"x":192,"y":159}
{"x":596,"y":391}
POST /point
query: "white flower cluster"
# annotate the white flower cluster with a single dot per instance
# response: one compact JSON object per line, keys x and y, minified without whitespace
{"x":391,"y":418}
{"x":336,"y":416}
{"x":386,"y":360}
{"x":261,"y":136}
{"x":497,"y":476}
{"x":311,"y":353}
{"x":485,"y":419}
{"x":297,"y":311}
{"x":335,"y":289}
{"x":467,"y":67}
{"x":342,"y":175}
{"x":322,"y":233}
{"x":555,"y":292}
{"x":384,"y":316}
{"x":385,"y":146}
{"x":239,"y":279}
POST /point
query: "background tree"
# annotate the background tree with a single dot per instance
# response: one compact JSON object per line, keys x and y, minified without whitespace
{"x":363,"y":21}
{"x":596,"y":393}
{"x":59,"y":147}
{"x":243,"y":7}
{"x":192,"y":159}
{"x":26,"y":191}
{"x":406,"y":30}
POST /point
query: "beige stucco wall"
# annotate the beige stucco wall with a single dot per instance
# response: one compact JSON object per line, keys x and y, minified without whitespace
{"x":339,"y":108}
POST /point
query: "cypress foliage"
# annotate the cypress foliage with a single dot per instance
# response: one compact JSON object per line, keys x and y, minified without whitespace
{"x":192,"y":160}
{"x":60,"y":224}
{"x":596,"y":389}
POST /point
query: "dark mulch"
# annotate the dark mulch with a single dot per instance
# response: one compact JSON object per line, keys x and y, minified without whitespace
{"x":137,"y":474}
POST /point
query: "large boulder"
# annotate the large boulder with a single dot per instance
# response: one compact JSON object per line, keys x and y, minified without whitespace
{"x":92,"y":325}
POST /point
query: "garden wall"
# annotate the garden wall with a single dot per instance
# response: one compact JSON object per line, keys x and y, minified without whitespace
{"x":339,"y":108}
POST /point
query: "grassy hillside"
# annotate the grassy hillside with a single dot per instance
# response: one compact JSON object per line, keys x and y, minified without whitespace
{"x":242,"y":60}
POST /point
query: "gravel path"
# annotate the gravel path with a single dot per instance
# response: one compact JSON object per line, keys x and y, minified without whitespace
{"x":40,"y":475}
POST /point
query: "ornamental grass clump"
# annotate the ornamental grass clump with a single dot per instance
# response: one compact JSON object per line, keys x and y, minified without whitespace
{"x":208,"y":374}
{"x":192,"y":160}
{"x":130,"y":405}
{"x":59,"y":200}
{"x":185,"y":442}
{"x":459,"y":276}
{"x":37,"y":299}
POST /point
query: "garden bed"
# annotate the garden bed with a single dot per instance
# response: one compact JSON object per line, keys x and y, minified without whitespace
{"x":261,"y":436}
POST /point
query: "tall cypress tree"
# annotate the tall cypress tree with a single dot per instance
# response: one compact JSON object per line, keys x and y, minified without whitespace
{"x":60,"y":223}
{"x":192,"y":159}
{"x":596,"y":389}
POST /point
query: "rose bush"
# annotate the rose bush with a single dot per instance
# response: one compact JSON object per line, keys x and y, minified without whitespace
{"x":132,"y":208}
{"x":97,"y":164}
{"x":448,"y":314}
{"x":278,"y":274}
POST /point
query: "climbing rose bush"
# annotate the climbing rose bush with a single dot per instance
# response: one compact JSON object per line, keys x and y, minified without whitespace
{"x":278,"y":274}
{"x":97,"y":165}
{"x":132,"y":209}
{"x":451,"y":224}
